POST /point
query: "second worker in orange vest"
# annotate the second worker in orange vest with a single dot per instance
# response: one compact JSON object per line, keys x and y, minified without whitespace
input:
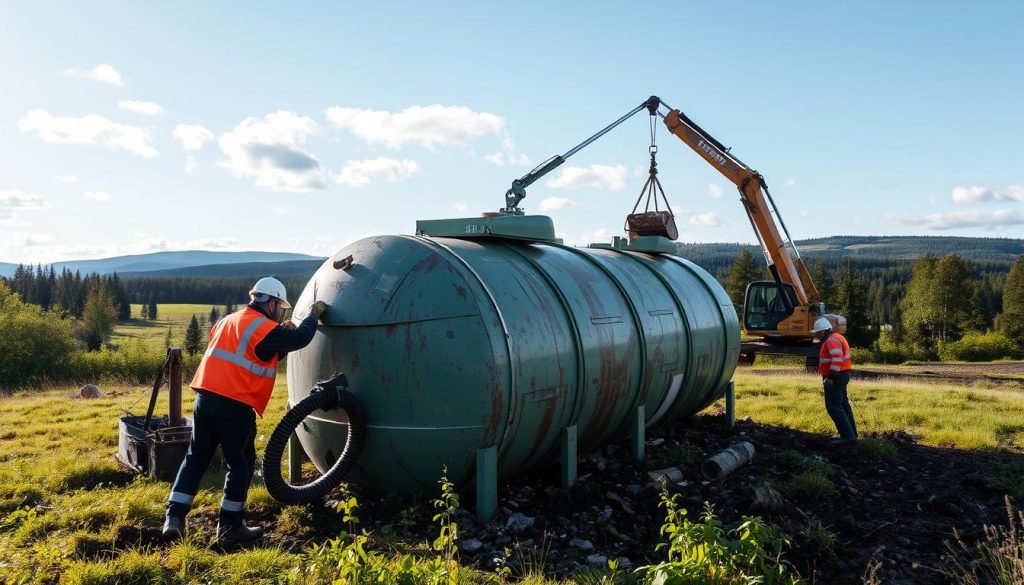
{"x":834,"y":365}
{"x":233,"y":383}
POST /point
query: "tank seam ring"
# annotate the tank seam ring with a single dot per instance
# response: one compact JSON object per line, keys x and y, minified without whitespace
{"x":501,"y":319}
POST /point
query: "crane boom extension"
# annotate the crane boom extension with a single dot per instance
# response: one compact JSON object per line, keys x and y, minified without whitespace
{"x":780,"y":252}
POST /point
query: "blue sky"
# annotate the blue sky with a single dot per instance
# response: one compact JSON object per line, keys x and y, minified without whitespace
{"x":128,"y":128}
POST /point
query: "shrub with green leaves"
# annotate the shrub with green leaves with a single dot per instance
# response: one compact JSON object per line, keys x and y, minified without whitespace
{"x":975,"y":346}
{"x":37,"y":343}
{"x":706,"y":553}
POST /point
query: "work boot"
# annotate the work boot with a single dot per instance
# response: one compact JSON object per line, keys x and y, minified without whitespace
{"x":174,"y":528}
{"x":231,"y":534}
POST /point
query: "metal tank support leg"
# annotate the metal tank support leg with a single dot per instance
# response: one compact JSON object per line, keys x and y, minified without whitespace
{"x":486,"y":483}
{"x":569,"y":456}
{"x":730,"y":405}
{"x":639,"y":434}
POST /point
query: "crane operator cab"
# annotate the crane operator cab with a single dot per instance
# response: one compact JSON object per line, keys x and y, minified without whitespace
{"x":764,"y":308}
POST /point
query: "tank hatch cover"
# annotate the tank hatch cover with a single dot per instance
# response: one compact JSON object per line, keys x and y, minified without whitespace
{"x":653,"y":245}
{"x":515,"y":227}
{"x":646,"y":244}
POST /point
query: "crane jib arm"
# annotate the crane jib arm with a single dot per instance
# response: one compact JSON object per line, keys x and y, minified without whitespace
{"x":749,"y":183}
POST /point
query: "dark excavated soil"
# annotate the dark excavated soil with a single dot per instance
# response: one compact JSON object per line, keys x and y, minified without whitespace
{"x":898,"y":509}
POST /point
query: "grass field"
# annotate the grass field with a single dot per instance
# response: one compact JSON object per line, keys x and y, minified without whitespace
{"x":153,"y":334}
{"x":68,"y":511}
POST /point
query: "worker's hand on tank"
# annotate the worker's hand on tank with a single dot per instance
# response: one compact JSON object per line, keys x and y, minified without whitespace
{"x":318,"y":308}
{"x":288,"y":325}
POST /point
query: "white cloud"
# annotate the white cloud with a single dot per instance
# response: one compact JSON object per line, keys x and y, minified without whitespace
{"x":17,"y":199}
{"x":27,"y":240}
{"x":684,"y":215}
{"x":141,"y":107}
{"x":460,"y":207}
{"x":599,"y":236}
{"x":91,"y":129}
{"x":958,"y":220}
{"x":789,"y":184}
{"x":360,"y":173}
{"x":267,"y":150}
{"x":604,"y":177}
{"x":511,"y":159}
{"x":424,"y":125}
{"x":97,"y":195}
{"x":975,"y":194}
{"x":704,"y":220}
{"x":191,"y":136}
{"x":66,"y":178}
{"x":190,"y":164}
{"x":805,"y":214}
{"x":10,"y":219}
{"x":102,"y":73}
{"x":280,"y":211}
{"x":714,"y":191}
{"x":556,"y":203}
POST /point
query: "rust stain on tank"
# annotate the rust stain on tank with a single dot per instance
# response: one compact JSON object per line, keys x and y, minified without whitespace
{"x":461,"y":290}
{"x":450,"y":334}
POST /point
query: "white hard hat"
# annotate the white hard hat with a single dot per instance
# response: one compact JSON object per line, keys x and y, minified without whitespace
{"x":273,"y":287}
{"x":822,"y":324}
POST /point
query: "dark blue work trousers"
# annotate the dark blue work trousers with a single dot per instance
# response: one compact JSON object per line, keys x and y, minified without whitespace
{"x":217,"y":420}
{"x":837,"y":404}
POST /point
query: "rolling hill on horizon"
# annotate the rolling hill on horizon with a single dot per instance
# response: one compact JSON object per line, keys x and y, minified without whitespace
{"x":172,"y":260}
{"x":205,"y":264}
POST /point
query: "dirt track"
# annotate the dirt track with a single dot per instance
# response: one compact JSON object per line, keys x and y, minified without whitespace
{"x":1003,"y":372}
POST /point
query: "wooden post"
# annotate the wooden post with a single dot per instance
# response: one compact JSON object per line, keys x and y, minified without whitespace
{"x":174,"y":387}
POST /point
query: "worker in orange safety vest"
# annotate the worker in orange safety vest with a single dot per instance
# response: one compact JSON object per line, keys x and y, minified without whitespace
{"x":233,"y":383}
{"x":834,"y":364}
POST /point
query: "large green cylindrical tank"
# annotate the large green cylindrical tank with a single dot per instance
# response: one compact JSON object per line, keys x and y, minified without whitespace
{"x":455,"y":344}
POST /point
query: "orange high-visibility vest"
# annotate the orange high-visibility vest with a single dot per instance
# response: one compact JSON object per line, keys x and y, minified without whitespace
{"x":230,"y":366}
{"x":834,"y":356}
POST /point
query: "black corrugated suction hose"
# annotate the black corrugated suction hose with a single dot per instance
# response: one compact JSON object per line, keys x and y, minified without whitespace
{"x":328,"y":395}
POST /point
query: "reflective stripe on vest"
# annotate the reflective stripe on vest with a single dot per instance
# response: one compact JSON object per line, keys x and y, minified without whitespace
{"x":834,"y":359}
{"x":230,"y":366}
{"x":238,"y":357}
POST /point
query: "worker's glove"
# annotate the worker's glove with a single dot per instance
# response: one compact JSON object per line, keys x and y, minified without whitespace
{"x":318,"y":308}
{"x":827,"y":384}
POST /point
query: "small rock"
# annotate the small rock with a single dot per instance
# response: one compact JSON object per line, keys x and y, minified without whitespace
{"x":472,"y":545}
{"x":605,"y":515}
{"x":519,"y":522}
{"x":634,"y":489}
{"x":624,"y":563}
{"x":90,"y":391}
{"x":583,"y":545}
{"x":597,"y":560}
{"x":747,"y":419}
{"x":655,"y":442}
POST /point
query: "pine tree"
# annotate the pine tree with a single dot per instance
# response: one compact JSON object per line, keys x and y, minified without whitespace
{"x":824,"y":283}
{"x":99,"y":316}
{"x":743,"y":272}
{"x":193,"y":339}
{"x":850,"y":300}
{"x":152,"y":308}
{"x":214,"y":316}
{"x":1011,"y":322}
{"x":144,"y":312}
